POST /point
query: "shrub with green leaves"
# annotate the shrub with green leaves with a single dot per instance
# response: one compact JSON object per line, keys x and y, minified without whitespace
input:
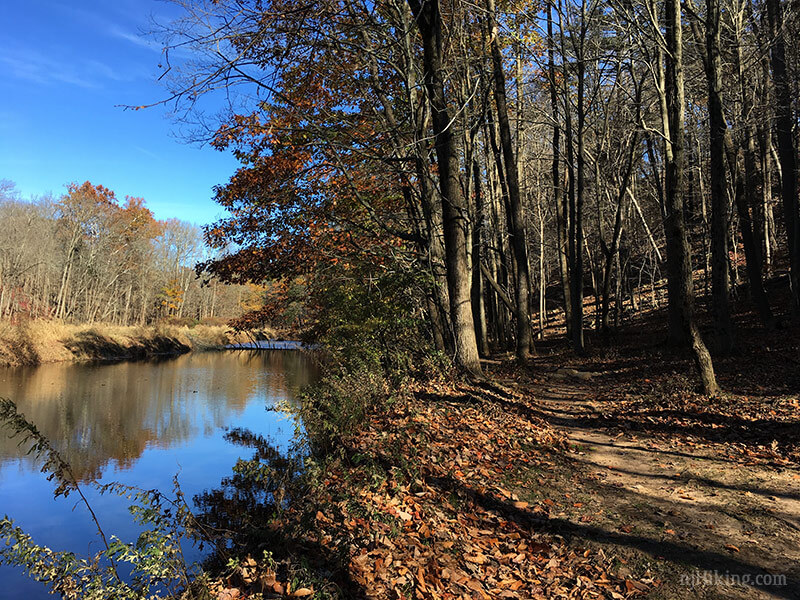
{"x":375,"y":337}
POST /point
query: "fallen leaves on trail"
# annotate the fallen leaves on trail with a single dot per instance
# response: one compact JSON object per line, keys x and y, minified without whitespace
{"x":417,"y":507}
{"x":642,"y":388}
{"x":753,"y":430}
{"x":431,"y":518}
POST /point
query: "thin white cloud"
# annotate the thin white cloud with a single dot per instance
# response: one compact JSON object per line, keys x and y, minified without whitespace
{"x":147,"y":152}
{"x":136,"y":40}
{"x":105,"y":71}
{"x":38,"y":68}
{"x":50,"y":69}
{"x":108,"y":24}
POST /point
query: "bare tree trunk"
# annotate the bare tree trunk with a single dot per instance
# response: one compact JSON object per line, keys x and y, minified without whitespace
{"x":720,"y":280}
{"x":453,"y":206}
{"x":576,"y":223}
{"x":542,"y":271}
{"x":478,"y":309}
{"x":618,"y":299}
{"x":612,"y":253}
{"x":770,"y":166}
{"x":431,"y":213}
{"x":577,"y":157}
{"x":745,"y":195}
{"x":519,"y":243}
{"x":497,"y":259}
{"x":61,"y":300}
{"x":784,"y":121}
{"x":562,"y":225}
{"x":611,"y":256}
{"x":679,"y":268}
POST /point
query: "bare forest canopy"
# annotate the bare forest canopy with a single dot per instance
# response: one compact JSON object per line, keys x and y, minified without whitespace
{"x":497,"y":160}
{"x":88,"y":257}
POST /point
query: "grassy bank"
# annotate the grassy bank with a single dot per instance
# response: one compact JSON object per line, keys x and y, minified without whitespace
{"x":36,"y":342}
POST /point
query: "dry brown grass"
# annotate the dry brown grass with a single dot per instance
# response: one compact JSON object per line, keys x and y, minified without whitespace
{"x":41,"y":341}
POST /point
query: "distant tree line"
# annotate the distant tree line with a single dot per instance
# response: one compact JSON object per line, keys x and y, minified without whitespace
{"x":87,"y":257}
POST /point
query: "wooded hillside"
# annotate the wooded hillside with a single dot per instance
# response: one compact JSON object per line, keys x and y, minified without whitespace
{"x":509,"y":161}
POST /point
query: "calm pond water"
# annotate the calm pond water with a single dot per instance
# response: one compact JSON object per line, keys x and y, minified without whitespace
{"x":140,"y":423}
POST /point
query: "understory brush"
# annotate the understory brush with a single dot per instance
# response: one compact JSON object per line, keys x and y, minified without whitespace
{"x":374,"y":343}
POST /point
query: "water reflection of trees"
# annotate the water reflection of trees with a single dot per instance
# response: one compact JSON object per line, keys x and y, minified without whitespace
{"x":100,"y":414}
{"x":245,"y":517}
{"x":247,"y":500}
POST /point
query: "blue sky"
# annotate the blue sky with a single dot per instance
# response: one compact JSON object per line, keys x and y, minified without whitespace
{"x":64,"y":69}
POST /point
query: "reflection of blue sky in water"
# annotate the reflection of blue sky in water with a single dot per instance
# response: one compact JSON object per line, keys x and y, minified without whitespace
{"x":140,"y":424}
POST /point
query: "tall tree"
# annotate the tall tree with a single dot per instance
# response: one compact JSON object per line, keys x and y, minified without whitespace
{"x":519,"y":242}
{"x":559,"y":199}
{"x":723,"y":326}
{"x":454,"y":208}
{"x":787,"y":153}
{"x":679,"y":269}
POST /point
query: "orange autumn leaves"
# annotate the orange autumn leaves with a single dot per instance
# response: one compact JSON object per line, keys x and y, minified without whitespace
{"x":422,"y":512}
{"x":297,"y":209}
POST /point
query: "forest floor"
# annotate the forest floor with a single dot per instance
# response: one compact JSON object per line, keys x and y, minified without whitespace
{"x":606,"y":476}
{"x":548,"y":483}
{"x":669,"y":488}
{"x":701,"y":493}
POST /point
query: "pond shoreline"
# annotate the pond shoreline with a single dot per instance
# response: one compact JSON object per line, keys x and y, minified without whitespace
{"x":140,"y":424}
{"x":39,"y":342}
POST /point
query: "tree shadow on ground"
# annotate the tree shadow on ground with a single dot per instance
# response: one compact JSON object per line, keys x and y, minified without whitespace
{"x":711,"y":483}
{"x":661,"y":550}
{"x":658,"y":549}
{"x":630,"y":506}
{"x":708,"y":423}
{"x":583,"y":421}
{"x":250,"y":510}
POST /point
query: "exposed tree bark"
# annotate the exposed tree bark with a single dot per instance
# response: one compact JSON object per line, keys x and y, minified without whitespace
{"x":430,"y":231}
{"x":478,"y":309}
{"x":577,"y":188}
{"x":752,"y":258}
{"x":574,"y":208}
{"x":679,"y":268}
{"x":562,"y":225}
{"x":720,"y":269}
{"x":519,"y":244}
{"x":787,"y":154}
{"x":454,"y":208}
{"x":746,"y":192}
{"x":499,"y":291}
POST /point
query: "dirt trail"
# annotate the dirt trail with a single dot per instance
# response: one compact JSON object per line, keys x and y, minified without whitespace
{"x":669,"y":506}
